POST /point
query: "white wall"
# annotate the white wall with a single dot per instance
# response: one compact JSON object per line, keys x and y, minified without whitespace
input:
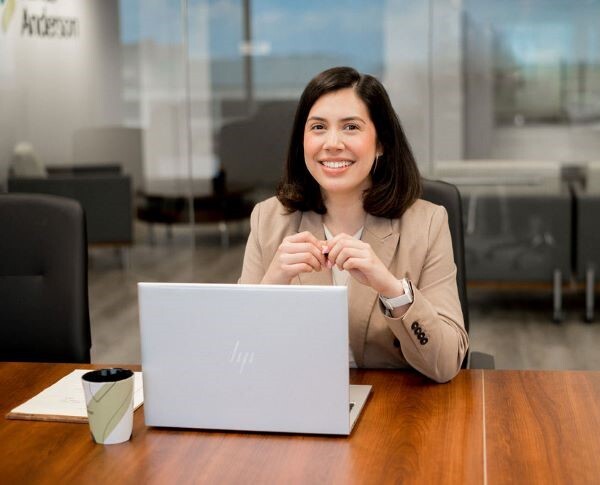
{"x":51,"y":86}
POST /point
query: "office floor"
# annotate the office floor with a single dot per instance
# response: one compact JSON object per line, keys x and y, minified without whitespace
{"x":514,"y":326}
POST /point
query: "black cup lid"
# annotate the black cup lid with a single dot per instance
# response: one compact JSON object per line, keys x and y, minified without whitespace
{"x":107,"y":375}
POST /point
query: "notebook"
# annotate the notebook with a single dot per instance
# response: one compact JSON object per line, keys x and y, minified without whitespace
{"x":248,"y":358}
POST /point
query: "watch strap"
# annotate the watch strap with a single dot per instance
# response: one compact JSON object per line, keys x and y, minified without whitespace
{"x":398,"y":301}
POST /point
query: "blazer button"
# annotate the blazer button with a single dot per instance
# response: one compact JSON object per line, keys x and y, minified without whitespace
{"x":414,"y":325}
{"x":396,"y":343}
{"x":424,"y":340}
{"x":420,"y":334}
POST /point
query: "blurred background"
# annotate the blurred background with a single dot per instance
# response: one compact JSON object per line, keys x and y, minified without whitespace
{"x":169,"y":119}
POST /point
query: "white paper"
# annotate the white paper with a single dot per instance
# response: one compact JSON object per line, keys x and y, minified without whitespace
{"x":66,"y":397}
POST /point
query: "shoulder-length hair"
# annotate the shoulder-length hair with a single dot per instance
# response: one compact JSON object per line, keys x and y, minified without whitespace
{"x":396,"y":182}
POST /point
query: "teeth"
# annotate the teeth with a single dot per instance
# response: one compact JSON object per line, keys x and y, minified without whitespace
{"x":336,"y":164}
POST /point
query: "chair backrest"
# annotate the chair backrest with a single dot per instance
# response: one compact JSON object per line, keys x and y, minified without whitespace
{"x":105,"y":196}
{"x":443,"y":193}
{"x":252,"y":151}
{"x":43,"y":280}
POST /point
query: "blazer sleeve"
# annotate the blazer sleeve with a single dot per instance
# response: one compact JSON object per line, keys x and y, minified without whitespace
{"x":431,"y":332}
{"x":253,"y":269}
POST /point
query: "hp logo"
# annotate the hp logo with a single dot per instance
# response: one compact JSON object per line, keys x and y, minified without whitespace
{"x":241,"y":358}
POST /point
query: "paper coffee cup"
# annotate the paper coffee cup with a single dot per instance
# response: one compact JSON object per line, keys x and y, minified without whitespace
{"x":109,"y":401}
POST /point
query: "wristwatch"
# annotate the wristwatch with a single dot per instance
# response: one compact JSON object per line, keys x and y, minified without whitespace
{"x":391,"y":303}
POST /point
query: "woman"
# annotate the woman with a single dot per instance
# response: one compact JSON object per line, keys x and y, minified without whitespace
{"x":348,"y":212}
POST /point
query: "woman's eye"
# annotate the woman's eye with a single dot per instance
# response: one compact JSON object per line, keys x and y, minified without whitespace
{"x":351,"y":127}
{"x":317,"y":127}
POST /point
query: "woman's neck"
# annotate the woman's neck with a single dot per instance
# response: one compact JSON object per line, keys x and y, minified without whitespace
{"x":344,"y":214}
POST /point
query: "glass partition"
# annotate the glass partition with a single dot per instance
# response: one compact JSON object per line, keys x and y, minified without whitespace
{"x":533,"y":80}
{"x":186,"y":107}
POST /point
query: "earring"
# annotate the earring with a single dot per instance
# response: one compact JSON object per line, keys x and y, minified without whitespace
{"x":375,"y":164}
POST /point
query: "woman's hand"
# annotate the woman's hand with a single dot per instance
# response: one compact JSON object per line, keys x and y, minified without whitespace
{"x":298,"y":253}
{"x":359,"y":259}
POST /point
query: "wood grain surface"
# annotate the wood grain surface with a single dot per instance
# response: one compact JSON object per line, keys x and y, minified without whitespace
{"x":411,"y":431}
{"x":543,"y":427}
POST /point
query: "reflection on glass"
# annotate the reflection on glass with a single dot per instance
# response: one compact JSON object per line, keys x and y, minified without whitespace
{"x":260,"y":66}
{"x":533,"y":79}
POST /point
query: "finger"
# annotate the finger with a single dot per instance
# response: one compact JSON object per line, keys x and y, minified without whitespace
{"x":308,"y":238}
{"x":326,"y":246}
{"x":346,"y":253}
{"x":304,"y":236}
{"x":332,"y":242}
{"x":296,"y":269}
{"x":298,"y":258}
{"x":298,"y":247}
{"x":340,"y":245}
{"x":334,"y":247}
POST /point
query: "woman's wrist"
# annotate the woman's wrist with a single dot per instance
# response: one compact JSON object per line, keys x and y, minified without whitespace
{"x":275,"y":279}
{"x":392,"y":289}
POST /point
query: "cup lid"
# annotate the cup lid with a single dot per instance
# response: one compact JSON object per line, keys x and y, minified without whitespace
{"x":107,"y":375}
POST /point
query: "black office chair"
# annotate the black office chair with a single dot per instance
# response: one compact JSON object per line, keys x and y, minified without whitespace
{"x":44,"y":315}
{"x":442,"y":193}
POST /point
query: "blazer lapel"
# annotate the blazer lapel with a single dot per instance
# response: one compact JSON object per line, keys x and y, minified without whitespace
{"x":378,"y":233}
{"x":313,"y":223}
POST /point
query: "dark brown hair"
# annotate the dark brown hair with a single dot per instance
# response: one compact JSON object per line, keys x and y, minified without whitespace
{"x":396,"y":182}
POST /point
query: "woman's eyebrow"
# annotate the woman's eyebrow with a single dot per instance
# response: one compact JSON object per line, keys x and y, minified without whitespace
{"x":347,"y":118}
{"x":353,"y":118}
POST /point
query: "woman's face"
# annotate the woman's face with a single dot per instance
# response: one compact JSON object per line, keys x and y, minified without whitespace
{"x":340,"y":143}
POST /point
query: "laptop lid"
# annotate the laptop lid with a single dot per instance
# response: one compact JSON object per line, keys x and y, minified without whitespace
{"x":246,"y":357}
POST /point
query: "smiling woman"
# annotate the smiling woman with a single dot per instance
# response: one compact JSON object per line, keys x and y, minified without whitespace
{"x":340,"y":144}
{"x":348,"y":212}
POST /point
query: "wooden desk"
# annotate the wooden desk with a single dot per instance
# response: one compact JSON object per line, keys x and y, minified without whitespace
{"x":540,"y":427}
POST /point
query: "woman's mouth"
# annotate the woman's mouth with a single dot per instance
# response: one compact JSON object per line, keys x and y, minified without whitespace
{"x":336,"y":164}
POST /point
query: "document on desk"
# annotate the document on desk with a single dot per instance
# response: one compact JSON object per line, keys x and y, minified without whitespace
{"x":65,"y":400}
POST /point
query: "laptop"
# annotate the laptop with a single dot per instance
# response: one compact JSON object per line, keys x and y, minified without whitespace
{"x":247,"y":358}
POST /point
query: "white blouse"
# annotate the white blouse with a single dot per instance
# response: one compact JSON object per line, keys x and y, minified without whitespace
{"x":340,"y":278}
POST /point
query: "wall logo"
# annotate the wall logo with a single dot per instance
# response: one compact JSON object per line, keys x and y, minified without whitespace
{"x":7,"y":13}
{"x":241,"y":358}
{"x":38,"y":19}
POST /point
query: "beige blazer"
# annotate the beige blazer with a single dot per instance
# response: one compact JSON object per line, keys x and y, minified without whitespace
{"x":430,"y":336}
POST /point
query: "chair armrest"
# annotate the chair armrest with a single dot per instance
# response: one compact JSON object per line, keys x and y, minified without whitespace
{"x":481,"y":360}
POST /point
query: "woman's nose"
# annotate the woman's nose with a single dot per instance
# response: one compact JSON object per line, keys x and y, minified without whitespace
{"x":333,"y":141}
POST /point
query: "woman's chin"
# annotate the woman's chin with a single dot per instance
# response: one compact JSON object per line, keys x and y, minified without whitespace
{"x":341,"y":190}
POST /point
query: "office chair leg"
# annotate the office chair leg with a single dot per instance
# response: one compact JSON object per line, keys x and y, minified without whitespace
{"x":124,"y":258}
{"x":557,"y":296}
{"x":151,"y":235}
{"x":589,"y":294}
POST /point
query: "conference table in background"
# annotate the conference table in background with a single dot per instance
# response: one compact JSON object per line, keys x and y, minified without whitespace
{"x":483,"y":427}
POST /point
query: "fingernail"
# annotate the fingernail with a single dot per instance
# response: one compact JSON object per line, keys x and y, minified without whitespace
{"x":324,"y":250}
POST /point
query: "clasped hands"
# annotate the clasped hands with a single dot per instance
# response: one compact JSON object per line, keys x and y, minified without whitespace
{"x":304,"y":253}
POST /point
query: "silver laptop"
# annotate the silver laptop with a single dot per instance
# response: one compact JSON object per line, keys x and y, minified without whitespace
{"x":247,"y":358}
